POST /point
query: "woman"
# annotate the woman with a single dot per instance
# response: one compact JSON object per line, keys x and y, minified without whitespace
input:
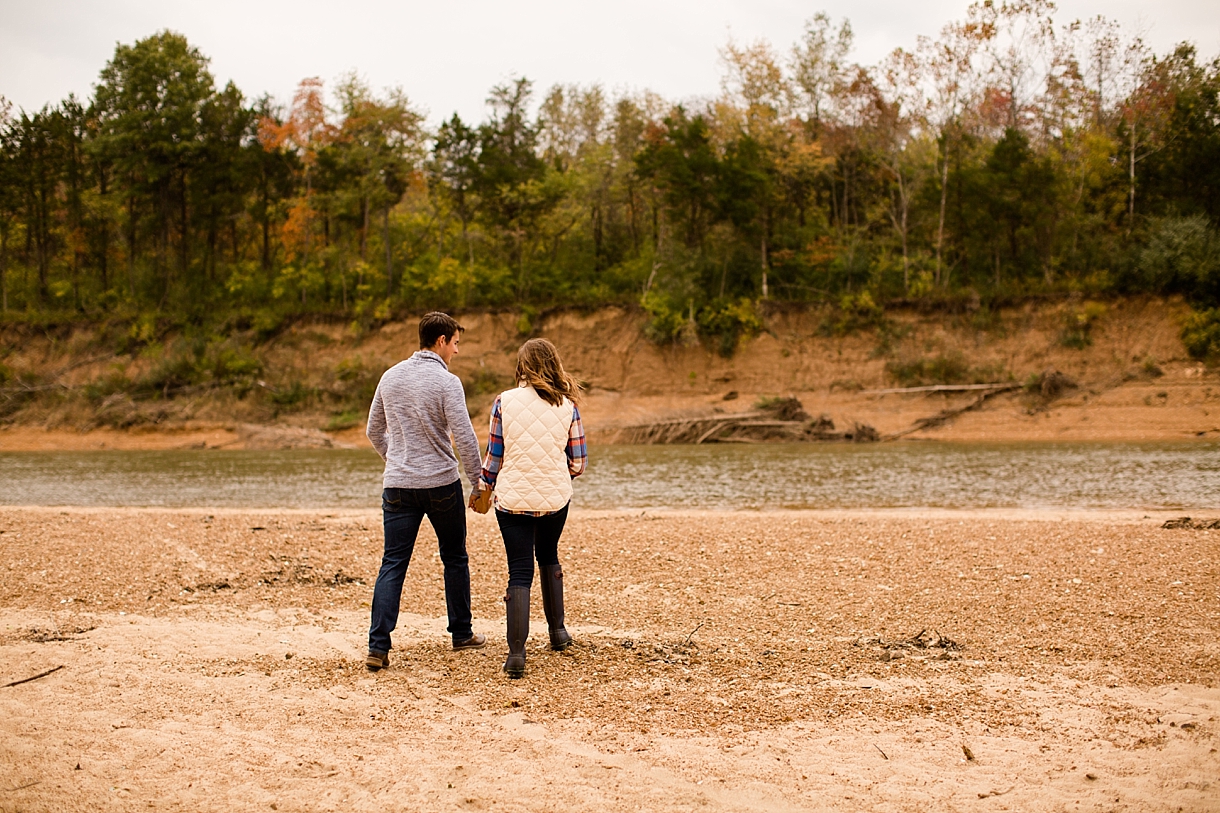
{"x":535,"y":449}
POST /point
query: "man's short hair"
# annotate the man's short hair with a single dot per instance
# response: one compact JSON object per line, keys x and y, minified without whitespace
{"x":437,"y":324}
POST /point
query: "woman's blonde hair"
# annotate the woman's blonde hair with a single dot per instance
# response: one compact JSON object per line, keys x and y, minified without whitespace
{"x":538,"y":365}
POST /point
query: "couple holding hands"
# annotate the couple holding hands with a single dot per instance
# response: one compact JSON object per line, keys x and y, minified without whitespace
{"x":535,"y":448}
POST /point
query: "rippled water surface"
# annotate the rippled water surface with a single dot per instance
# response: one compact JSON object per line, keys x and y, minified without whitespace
{"x":950,"y":475}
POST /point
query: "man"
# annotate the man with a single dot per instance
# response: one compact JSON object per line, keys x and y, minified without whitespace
{"x":417,"y":417}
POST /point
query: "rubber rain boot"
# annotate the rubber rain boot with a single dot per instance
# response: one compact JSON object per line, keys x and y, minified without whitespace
{"x":517,"y":611}
{"x":552,"y":605}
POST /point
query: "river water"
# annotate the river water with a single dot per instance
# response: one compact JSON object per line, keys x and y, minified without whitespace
{"x":944,"y":475}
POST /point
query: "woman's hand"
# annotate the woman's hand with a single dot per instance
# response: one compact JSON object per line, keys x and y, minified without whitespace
{"x":480,"y":501}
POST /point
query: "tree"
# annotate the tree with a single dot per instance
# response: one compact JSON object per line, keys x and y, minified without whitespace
{"x":1192,"y":156}
{"x":818,"y":64}
{"x":747,"y":197}
{"x":1021,"y":154}
{"x":679,"y":159}
{"x":275,"y":167}
{"x":305,"y":132}
{"x":149,"y":101}
{"x":9,"y":199}
{"x":225,"y":174}
{"x":39,"y":156}
{"x":902,"y":117}
{"x":950,"y":66}
{"x":454,"y":173}
{"x":751,"y":189}
{"x":511,"y":173}
{"x":631,"y":121}
{"x":1151,"y":108}
{"x":1017,"y":37}
{"x":381,"y":142}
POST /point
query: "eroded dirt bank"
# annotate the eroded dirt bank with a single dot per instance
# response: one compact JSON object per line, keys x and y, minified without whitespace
{"x":212,"y":661}
{"x":1135,"y":380}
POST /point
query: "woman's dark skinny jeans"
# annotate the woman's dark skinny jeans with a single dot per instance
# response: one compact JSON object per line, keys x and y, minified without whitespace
{"x":403,"y":511}
{"x":526,"y":537}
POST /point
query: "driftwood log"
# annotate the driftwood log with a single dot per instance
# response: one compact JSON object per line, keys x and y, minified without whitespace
{"x":946,"y":415}
{"x":781,"y":420}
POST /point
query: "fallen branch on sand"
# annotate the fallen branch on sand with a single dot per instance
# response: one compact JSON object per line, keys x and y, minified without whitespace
{"x":35,"y":677}
{"x":1194,"y":524}
{"x":946,"y":415}
{"x":780,"y":419}
{"x":942,"y":388}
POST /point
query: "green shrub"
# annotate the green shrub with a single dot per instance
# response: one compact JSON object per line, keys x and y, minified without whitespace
{"x":943,"y":369}
{"x":856,"y":312}
{"x":783,"y":408}
{"x":723,"y":321}
{"x":231,"y":365}
{"x":14,"y":396}
{"x":1201,"y":334}
{"x":727,"y":321}
{"x":175,"y":371}
{"x":109,"y":384}
{"x":666,"y":323}
{"x":295,"y":395}
{"x":484,"y":382}
{"x":1077,"y":332}
{"x":889,"y":336}
{"x":199,"y":363}
{"x":986,"y":320}
{"x":144,"y":329}
{"x":525,"y":322}
{"x":1182,"y":255}
{"x":344,"y":420}
{"x":922,"y":372}
{"x":356,"y":382}
{"x":266,"y":323}
{"x":350,"y":369}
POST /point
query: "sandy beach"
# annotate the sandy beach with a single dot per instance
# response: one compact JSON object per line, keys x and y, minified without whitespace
{"x":212,"y":660}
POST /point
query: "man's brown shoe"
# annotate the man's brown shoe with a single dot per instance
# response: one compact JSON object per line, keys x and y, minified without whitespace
{"x":377,"y":660}
{"x":475,"y":641}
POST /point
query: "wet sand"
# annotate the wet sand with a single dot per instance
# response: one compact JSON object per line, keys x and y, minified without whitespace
{"x":213,"y":660}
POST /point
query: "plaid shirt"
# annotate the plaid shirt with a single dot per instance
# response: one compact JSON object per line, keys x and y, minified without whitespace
{"x":577,"y":451}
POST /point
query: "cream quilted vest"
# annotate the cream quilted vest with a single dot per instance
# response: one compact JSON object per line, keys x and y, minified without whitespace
{"x":534,"y":473}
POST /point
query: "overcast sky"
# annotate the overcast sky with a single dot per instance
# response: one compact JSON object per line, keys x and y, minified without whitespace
{"x":447,"y":56}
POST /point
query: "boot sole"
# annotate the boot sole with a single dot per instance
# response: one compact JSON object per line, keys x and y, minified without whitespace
{"x":563,"y":643}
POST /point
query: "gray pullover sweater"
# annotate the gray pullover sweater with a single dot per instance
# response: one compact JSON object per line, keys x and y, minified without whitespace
{"x":417,"y":417}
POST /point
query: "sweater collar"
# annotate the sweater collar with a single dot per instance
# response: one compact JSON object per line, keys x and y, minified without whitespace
{"x":428,"y":355}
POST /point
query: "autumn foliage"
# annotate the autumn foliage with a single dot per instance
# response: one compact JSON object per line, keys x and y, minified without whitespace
{"x":1015,"y":154}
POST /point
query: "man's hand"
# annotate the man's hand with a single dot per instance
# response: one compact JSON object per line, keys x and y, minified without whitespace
{"x":474,"y":497}
{"x":480,"y":501}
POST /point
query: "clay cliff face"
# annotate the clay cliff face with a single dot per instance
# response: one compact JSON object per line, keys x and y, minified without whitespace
{"x":1134,"y":379}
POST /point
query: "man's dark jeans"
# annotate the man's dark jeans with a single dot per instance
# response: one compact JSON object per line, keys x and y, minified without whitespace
{"x":403,"y":511}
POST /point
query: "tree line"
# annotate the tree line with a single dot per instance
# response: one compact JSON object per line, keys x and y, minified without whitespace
{"x":1011,"y":155}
